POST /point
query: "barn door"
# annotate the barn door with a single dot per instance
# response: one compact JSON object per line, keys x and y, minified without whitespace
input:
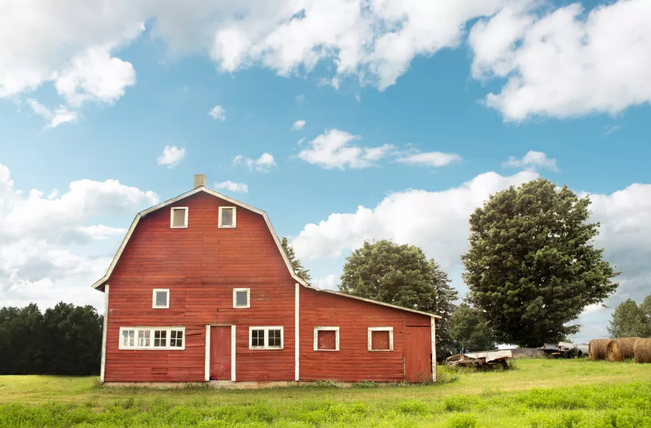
{"x":220,"y":353}
{"x":418,"y":353}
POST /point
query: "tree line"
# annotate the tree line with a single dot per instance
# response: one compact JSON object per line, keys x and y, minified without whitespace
{"x":64,"y":340}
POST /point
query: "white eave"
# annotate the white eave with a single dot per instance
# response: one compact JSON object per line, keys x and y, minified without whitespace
{"x":100,"y":283}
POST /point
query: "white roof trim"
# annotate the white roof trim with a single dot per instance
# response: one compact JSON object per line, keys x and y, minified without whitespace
{"x":141,"y":214}
{"x":350,"y":296}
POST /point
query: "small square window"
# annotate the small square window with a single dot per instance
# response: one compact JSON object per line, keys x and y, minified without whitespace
{"x":326,"y":338}
{"x":160,"y":338}
{"x":275,"y":339}
{"x":179,"y":218}
{"x":257,"y":338}
{"x":380,"y":339}
{"x":176,"y":338}
{"x":227,"y":217}
{"x":241,"y":298}
{"x":161,"y":298}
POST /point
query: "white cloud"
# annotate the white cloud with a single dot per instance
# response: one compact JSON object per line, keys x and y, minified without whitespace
{"x":48,"y":245}
{"x":54,"y":117}
{"x":171,"y":156}
{"x":232,"y":187}
{"x":435,"y":221}
{"x":95,"y":75}
{"x":298,"y":125}
{"x":218,"y":113}
{"x":429,"y":159}
{"x":333,"y":149}
{"x":262,"y":164}
{"x":532,"y":160}
{"x":330,"y":282}
{"x":566,"y":63}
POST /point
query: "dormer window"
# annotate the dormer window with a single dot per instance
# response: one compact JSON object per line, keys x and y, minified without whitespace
{"x":179,"y":218}
{"x":227,"y":217}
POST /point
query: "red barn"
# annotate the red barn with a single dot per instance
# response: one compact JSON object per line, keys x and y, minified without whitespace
{"x":200,"y":290}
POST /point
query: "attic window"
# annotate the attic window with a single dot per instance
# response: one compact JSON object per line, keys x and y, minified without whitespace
{"x":241,"y":298}
{"x":161,"y":299}
{"x":227,"y":217}
{"x":326,"y":338}
{"x":179,"y":218}
{"x":380,"y":338}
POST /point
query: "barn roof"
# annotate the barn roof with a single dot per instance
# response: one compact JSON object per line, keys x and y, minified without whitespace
{"x":99,"y":284}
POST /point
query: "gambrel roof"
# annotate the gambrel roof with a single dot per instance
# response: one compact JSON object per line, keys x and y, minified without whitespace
{"x":99,"y":285}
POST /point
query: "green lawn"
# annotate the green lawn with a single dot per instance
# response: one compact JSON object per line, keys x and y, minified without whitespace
{"x":538,"y":393}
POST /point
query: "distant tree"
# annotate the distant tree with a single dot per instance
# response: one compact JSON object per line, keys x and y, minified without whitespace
{"x":469,"y":331}
{"x":66,"y":340}
{"x":631,"y":320}
{"x":302,"y":273}
{"x":532,"y":267}
{"x":402,"y":275}
{"x":73,"y":339}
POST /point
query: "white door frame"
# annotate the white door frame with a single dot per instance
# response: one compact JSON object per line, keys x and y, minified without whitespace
{"x":233,"y":348}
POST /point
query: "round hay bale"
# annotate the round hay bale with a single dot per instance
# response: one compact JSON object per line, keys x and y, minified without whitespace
{"x":642,"y":350}
{"x":597,"y":348}
{"x":620,"y":349}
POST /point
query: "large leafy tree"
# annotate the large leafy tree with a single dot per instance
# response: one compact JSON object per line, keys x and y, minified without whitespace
{"x":302,"y":273}
{"x":532,"y":267}
{"x":402,"y":275}
{"x":469,"y":330}
{"x":631,"y":320}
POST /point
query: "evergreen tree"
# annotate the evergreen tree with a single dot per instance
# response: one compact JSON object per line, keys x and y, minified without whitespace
{"x":532,"y":267}
{"x":302,"y":273}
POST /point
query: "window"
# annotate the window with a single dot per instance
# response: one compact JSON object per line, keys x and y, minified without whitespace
{"x":152,"y":338}
{"x":380,"y":338}
{"x":241,"y":298}
{"x":179,"y":218}
{"x":265,"y":338}
{"x":227,"y":217}
{"x":326,"y":338}
{"x":161,"y":299}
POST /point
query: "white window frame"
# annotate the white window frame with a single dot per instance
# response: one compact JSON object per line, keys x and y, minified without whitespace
{"x":248,"y":298}
{"x":316,"y":338}
{"x":151,"y":346}
{"x":266,"y":338}
{"x":370,"y":338}
{"x":187,"y":210}
{"x":234,"y":218}
{"x":153,"y":299}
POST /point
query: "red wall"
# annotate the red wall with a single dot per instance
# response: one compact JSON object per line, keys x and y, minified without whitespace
{"x":200,"y":265}
{"x":353,"y":362}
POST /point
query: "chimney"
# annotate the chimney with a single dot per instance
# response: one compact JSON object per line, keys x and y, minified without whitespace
{"x":199,"y":180}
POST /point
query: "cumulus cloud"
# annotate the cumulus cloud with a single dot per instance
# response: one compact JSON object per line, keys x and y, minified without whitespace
{"x":171,"y":156}
{"x":232,"y":187}
{"x":48,"y":245}
{"x":330,"y":282}
{"x":435,"y":221}
{"x":55,"y":117}
{"x":262,"y":164}
{"x":333,"y":149}
{"x":429,"y":159}
{"x":298,"y":125}
{"x":218,"y":113}
{"x":532,"y":160}
{"x":568,"y":62}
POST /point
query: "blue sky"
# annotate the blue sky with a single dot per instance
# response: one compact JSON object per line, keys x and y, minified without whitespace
{"x":103,"y":102}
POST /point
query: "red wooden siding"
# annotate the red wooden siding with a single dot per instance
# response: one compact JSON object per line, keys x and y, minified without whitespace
{"x":354,"y":362}
{"x":200,"y":265}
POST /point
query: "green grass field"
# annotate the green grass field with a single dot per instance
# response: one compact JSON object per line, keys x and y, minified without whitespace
{"x":538,"y":393}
